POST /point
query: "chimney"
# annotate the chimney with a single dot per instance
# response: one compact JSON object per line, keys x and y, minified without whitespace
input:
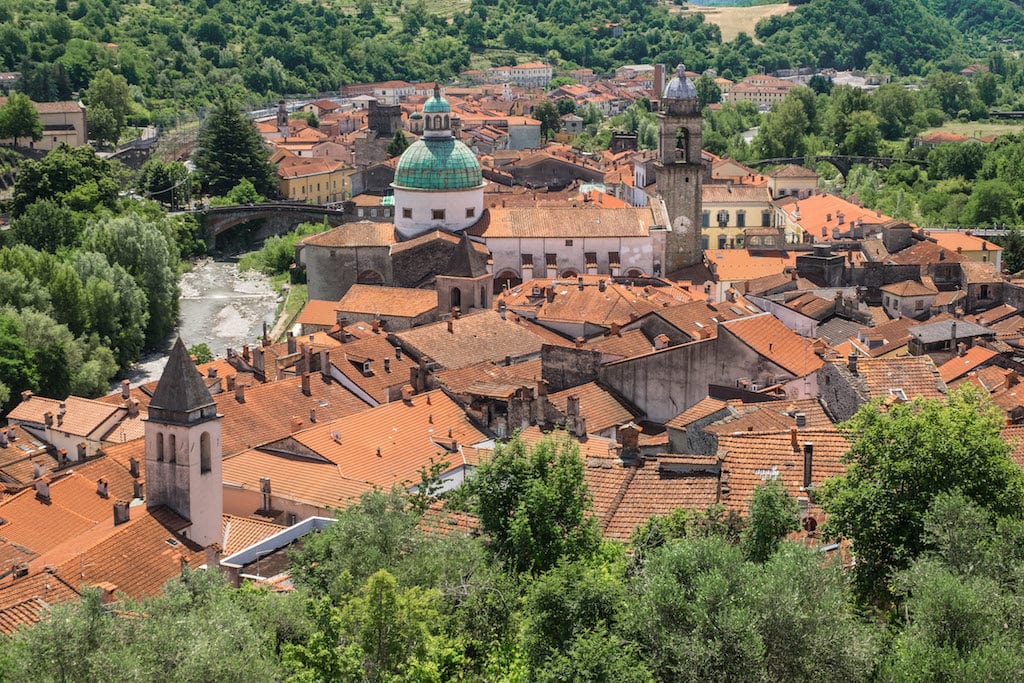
{"x":502,"y":309}
{"x":579,"y":283}
{"x":121,"y":512}
{"x":602,"y":285}
{"x":12,"y":433}
{"x":801,"y":420}
{"x":456,"y":312}
{"x":1011,"y":378}
{"x":230,"y":382}
{"x":101,"y":488}
{"x":614,"y":330}
{"x":137,"y":490}
{"x":961,"y":349}
{"x":793,"y":442}
{"x":375,"y":326}
{"x":265,"y":340}
{"x":62,"y":457}
{"x":398,"y":353}
{"x":291,"y":343}
{"x":549,"y":293}
{"x":240,"y":393}
{"x":325,"y":364}
{"x":80,"y":450}
{"x":661,"y":341}
{"x":126,"y":389}
{"x":306,"y":391}
{"x":265,"y":492}
{"x":3,"y":438}
{"x":133,"y":467}
{"x":312,"y":415}
{"x":851,"y":363}
{"x":133,"y":407}
{"x":840,"y":218}
{"x":48,"y":418}
{"x":407,"y":393}
{"x":808,"y":464}
{"x":572,"y":406}
{"x":43,"y":491}
{"x":387,"y":365}
{"x":25,"y":395}
{"x":37,"y":470}
{"x":451,"y":327}
{"x":211,"y":372}
{"x":952,"y":335}
{"x":245,"y":353}
{"x":296,"y":424}
{"x":579,"y":342}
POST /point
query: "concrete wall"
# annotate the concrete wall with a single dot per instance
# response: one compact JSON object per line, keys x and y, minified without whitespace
{"x":664,"y":383}
{"x":563,"y":367}
{"x":330,"y":272}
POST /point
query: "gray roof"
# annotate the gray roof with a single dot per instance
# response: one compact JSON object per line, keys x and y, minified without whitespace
{"x":466,"y":261}
{"x":930,"y":333}
{"x":181,"y":396}
{"x":837,"y":330}
{"x":680,"y":87}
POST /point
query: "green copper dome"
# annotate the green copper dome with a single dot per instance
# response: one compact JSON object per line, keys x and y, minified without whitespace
{"x":438,"y":164}
{"x":436,"y":105}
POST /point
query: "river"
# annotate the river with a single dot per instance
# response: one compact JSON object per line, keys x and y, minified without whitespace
{"x":220,"y":307}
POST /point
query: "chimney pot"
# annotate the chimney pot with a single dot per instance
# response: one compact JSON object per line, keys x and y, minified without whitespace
{"x":794,"y":443}
{"x":451,"y":327}
{"x":240,"y":393}
{"x":133,"y":467}
{"x":808,"y":465}
{"x":230,"y":382}
{"x":126,"y":389}
{"x":306,"y":390}
{"x":312,"y":415}
{"x":101,"y":488}
{"x":26,"y":395}
{"x":122,"y":512}
{"x":851,"y":363}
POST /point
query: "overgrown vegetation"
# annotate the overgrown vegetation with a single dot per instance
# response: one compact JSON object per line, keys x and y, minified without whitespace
{"x":703,"y":596}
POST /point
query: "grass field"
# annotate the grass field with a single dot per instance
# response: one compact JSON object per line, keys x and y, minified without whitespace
{"x":977,"y":129}
{"x":736,"y":20}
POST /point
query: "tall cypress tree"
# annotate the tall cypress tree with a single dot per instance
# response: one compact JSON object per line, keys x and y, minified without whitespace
{"x":229,"y":149}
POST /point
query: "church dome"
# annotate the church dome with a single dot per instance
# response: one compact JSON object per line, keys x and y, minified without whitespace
{"x":438,"y":164}
{"x":436,"y":104}
{"x":680,"y":87}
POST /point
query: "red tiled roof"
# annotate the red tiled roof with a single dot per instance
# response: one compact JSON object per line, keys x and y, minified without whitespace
{"x":958,"y":366}
{"x":751,"y":459}
{"x":82,"y":416}
{"x":318,"y":312}
{"x":917,"y":376}
{"x":242,"y":532}
{"x":475,"y":337}
{"x":359,"y":234}
{"x":398,"y":302}
{"x":766,"y":335}
{"x":379,"y":382}
{"x":600,"y":407}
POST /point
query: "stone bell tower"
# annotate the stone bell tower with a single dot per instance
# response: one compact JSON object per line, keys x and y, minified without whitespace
{"x":679,"y":170}
{"x":183,"y":449}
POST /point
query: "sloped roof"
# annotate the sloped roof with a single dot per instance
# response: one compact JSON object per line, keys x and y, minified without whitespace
{"x":466,"y":261}
{"x":358,"y":234}
{"x":82,"y":416}
{"x":566,"y":222}
{"x":600,"y":407}
{"x":350,"y":358}
{"x":958,"y":366}
{"x":766,"y":335}
{"x":917,"y":376}
{"x":181,"y":395}
{"x":909,"y":288}
{"x":398,"y":302}
{"x":242,"y":532}
{"x":475,"y":337}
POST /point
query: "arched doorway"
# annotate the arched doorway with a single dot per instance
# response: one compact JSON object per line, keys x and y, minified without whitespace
{"x":456,"y":298}
{"x":507,"y":278}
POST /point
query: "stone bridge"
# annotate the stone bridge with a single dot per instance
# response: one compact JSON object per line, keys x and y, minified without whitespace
{"x":842,"y":162}
{"x":276,"y":218}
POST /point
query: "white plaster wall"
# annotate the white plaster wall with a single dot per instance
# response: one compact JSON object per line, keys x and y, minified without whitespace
{"x":634,"y":252}
{"x":423,"y":202}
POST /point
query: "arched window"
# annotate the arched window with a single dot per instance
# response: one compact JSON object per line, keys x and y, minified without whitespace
{"x":447,"y":122}
{"x":160,"y":447}
{"x":172,"y":446}
{"x":204,"y":453}
{"x":456,"y":297}
{"x":482,"y":302}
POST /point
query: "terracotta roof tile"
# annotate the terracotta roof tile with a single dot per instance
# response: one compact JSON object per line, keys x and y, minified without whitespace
{"x":414,"y":431}
{"x":268,"y":410}
{"x":917,"y":376}
{"x":318,"y":483}
{"x":565,"y":223}
{"x":475,"y":337}
{"x":437,"y":521}
{"x":83,"y":416}
{"x":738,"y":265}
{"x":398,"y":302}
{"x":463,"y":380}
{"x":600,"y":407}
{"x":952,"y":240}
{"x":24,"y":601}
{"x":766,"y":335}
{"x":909,"y":288}
{"x":319,"y":312}
{"x":622,"y":345}
{"x":388,"y":373}
{"x":703,"y":408}
{"x":242,"y":532}
{"x":751,"y":459}
{"x":958,"y":366}
{"x":359,"y":234}
{"x":40,"y":526}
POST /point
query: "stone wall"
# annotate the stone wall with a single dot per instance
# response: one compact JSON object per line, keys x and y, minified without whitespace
{"x":563,"y":367}
{"x":330,"y":272}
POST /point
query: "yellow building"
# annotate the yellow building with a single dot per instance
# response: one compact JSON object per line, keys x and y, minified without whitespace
{"x":314,"y":180}
{"x":729,"y":209}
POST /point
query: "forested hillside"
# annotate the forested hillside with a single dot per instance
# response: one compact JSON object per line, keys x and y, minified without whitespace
{"x":177,"y":55}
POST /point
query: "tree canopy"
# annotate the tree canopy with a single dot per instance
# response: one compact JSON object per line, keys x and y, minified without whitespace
{"x":229,"y":150}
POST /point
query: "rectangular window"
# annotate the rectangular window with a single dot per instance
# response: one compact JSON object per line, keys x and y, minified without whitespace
{"x":704,"y":242}
{"x":470,"y":212}
{"x":741,"y":219}
{"x":406,"y":213}
{"x":722,"y":241}
{"x":568,"y":243}
{"x":918,"y":305}
{"x":766,"y":219}
{"x":437,"y":214}
{"x":705,"y":219}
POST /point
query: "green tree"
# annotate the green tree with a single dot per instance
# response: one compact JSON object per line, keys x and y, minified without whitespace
{"x":398,"y":144}
{"x":229,"y":149}
{"x":17,"y":367}
{"x":900,"y":459}
{"x":70,"y":176}
{"x":110,"y":91}
{"x":145,"y":249}
{"x":895,"y":107}
{"x":862,"y":137}
{"x":167,"y":182}
{"x":991,"y":201}
{"x":102,"y":125}
{"x":534,"y":504}
{"x":782,"y":131}
{"x":47,"y":226}
{"x":773,"y":515}
{"x":956,"y":159}
{"x":201,"y":352}
{"x":708,"y":91}
{"x":550,"y":121}
{"x":244,"y":193}
{"x":19,"y":119}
